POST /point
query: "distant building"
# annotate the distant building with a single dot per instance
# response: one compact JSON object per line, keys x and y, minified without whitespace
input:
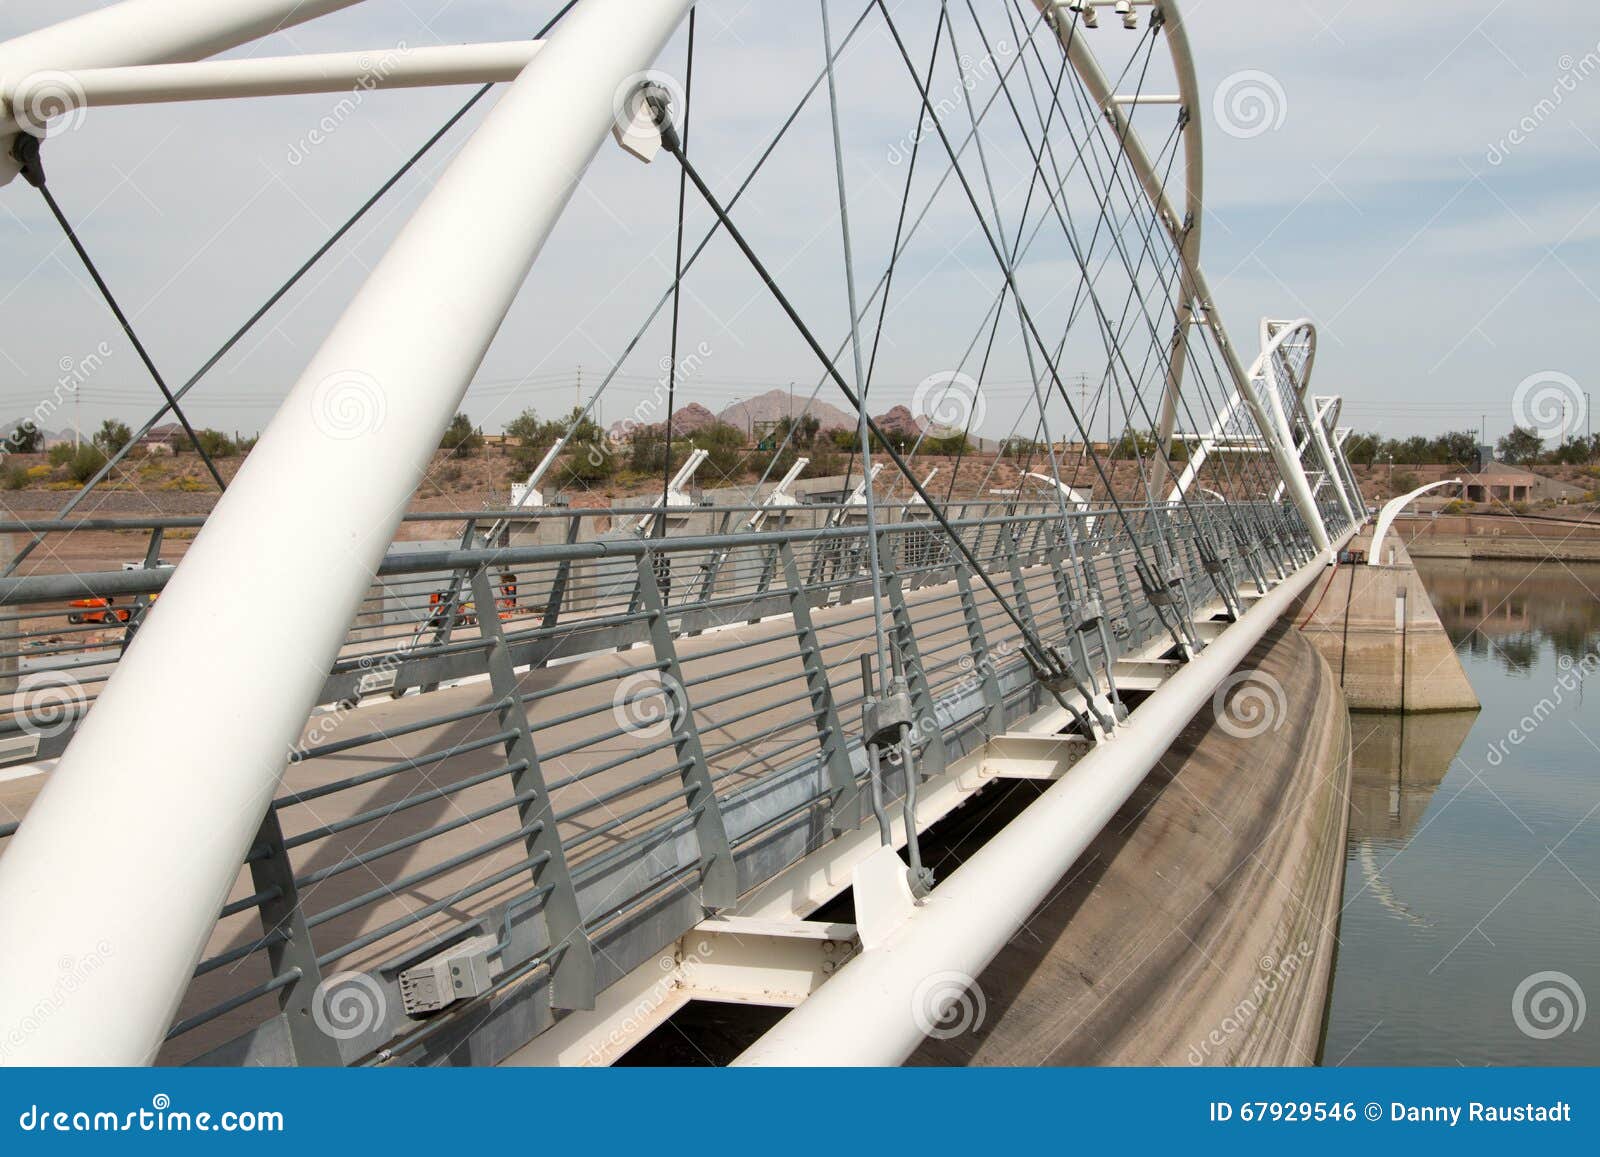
{"x":1501,"y":482}
{"x":162,"y":439}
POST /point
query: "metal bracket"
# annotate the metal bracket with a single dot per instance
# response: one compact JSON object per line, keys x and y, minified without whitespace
{"x":639,"y":118}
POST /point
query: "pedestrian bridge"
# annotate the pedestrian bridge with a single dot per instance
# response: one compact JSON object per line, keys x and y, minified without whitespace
{"x":347,"y":785}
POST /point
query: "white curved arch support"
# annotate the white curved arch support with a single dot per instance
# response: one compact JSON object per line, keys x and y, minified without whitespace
{"x":1184,"y":230}
{"x":1083,"y":61}
{"x":191,"y":733}
{"x":1341,"y":435}
{"x":1077,"y":500}
{"x":1391,"y":509}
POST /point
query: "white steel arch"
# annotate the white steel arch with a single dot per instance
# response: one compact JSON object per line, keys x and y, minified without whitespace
{"x":1391,"y":510}
{"x":413,"y":336}
{"x":1194,"y":286}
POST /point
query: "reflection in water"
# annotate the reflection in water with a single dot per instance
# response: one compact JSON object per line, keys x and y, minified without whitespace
{"x":1397,"y":764}
{"x":1509,"y":610}
{"x":1473,"y":860}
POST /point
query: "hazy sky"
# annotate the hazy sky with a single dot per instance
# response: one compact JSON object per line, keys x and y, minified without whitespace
{"x":1409,"y":192}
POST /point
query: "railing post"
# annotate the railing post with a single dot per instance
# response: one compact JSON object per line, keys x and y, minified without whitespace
{"x":1064,"y":593}
{"x":708,"y":580}
{"x":935,"y":756}
{"x":719,"y":881}
{"x":1130,"y":611}
{"x":983,"y":663}
{"x":844,"y":804}
{"x":141,"y":602}
{"x":290,"y":951}
{"x":1018,"y":585}
{"x":572,"y":974}
{"x":558,"y":585}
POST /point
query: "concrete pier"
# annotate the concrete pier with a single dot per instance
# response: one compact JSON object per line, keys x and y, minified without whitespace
{"x":1378,"y":630}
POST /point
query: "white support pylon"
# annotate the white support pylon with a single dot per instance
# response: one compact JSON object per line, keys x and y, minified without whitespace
{"x":137,"y":836}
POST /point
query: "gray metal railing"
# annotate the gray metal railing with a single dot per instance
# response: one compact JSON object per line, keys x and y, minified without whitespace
{"x":565,"y":747}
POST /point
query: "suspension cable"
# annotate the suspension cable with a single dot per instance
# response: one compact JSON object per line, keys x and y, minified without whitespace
{"x":1038,"y":655}
{"x":26,"y":151}
{"x":660,"y":526}
{"x":276,"y":296}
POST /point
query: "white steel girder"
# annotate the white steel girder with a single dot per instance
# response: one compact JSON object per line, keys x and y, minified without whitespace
{"x":138,"y":32}
{"x":134,"y":841}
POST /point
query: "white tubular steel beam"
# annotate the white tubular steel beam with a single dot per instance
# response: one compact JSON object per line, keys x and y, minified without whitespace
{"x":868,"y":1013}
{"x":1204,"y":449}
{"x":1185,"y":230}
{"x":1391,"y":511}
{"x":396,"y":67}
{"x":140,"y":32}
{"x":1319,"y":436}
{"x":140,"y":831}
{"x":1185,"y":236}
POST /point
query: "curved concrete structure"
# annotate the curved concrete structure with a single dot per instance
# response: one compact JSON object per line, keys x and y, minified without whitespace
{"x":1199,"y":927}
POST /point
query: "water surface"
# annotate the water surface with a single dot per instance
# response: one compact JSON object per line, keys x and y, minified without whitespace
{"x":1473,"y":861}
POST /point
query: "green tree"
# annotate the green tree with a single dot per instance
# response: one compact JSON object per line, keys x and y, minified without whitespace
{"x":460,"y":438}
{"x":527,"y":429}
{"x":1522,"y":446}
{"x":1573,"y":453}
{"x":724,"y":447}
{"x":85,"y":462}
{"x":947,"y":444}
{"x":804,"y":428}
{"x":26,"y":438}
{"x":112,"y":436}
{"x":1363,"y":449}
{"x":1456,"y":447}
{"x":215,"y":443}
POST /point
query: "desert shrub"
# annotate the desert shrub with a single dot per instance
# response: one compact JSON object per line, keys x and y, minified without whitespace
{"x":85,"y":461}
